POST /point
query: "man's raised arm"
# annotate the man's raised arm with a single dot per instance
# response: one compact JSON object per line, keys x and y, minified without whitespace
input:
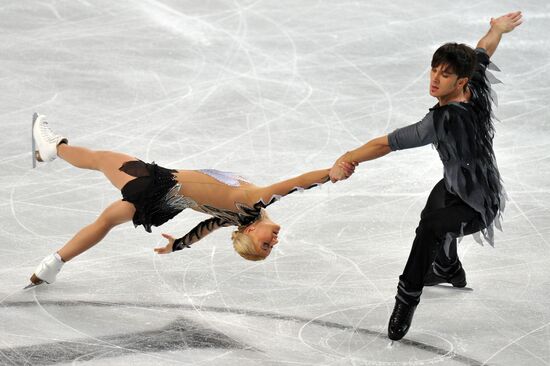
{"x":503,"y":24}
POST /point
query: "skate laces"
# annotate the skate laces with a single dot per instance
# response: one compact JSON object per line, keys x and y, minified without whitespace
{"x":401,"y":312}
{"x":47,"y":133}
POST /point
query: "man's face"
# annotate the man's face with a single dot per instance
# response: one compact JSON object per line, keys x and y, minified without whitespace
{"x":444,"y":82}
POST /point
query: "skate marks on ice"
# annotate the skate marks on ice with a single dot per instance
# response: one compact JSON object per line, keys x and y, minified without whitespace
{"x":179,"y":335}
{"x":183,"y":333}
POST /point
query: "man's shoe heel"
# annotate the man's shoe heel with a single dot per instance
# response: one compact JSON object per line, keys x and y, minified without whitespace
{"x":459,"y":284}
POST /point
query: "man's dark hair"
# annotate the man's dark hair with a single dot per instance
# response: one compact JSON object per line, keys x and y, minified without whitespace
{"x":459,"y":59}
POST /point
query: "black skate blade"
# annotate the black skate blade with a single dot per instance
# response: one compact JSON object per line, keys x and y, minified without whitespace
{"x":31,"y":285}
{"x":35,"y":281}
{"x":449,"y":286}
{"x":33,"y":151}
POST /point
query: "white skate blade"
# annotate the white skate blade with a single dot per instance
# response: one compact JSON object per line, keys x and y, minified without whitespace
{"x":33,"y":151}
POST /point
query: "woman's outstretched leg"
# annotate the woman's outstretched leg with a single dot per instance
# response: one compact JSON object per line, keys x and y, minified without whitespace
{"x":49,"y":145}
{"x":116,"y":214}
{"x":107,"y":162}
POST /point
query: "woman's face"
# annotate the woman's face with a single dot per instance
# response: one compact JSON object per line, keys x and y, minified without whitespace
{"x":264,"y":235}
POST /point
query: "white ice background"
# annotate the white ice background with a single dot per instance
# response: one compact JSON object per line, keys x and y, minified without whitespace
{"x":270,"y":89}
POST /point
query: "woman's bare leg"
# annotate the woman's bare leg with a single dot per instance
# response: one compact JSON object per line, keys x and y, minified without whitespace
{"x":117,"y":213}
{"x":107,"y":162}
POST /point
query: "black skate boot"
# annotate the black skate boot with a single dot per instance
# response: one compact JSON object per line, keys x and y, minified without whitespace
{"x":400,"y":320}
{"x":457,"y":278}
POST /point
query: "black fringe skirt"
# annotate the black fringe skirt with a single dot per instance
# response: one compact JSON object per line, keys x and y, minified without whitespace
{"x":154,"y":193}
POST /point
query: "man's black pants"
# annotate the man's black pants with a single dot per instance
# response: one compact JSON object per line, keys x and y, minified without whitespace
{"x":444,"y":219}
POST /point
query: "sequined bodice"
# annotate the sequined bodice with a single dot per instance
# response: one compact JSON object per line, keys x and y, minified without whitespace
{"x":242,"y":215}
{"x":228,"y":178}
{"x":236,"y":210}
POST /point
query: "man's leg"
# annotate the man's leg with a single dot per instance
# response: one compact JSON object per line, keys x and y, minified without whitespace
{"x":446,"y":254}
{"x":436,"y":199}
{"x":433,"y":229}
{"x":446,"y":257}
{"x":446,"y":267}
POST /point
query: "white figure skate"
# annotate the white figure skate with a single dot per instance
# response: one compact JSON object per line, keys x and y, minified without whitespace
{"x":47,"y":270}
{"x":44,"y":140}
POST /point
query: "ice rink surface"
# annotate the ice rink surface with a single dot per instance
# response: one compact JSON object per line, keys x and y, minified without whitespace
{"x":270,"y":89}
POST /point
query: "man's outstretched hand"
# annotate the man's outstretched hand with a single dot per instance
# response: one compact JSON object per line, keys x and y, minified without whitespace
{"x":507,"y":23}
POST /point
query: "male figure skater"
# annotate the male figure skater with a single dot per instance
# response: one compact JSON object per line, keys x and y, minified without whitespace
{"x":470,"y":197}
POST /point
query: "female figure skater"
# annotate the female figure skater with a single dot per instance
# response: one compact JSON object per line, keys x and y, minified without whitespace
{"x":470,"y":197}
{"x":152,"y":195}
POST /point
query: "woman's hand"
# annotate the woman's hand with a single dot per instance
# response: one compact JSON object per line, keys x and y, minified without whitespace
{"x":507,"y":22}
{"x":168,"y":248}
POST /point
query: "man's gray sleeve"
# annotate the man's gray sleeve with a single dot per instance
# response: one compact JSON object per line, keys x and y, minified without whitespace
{"x":417,"y":134}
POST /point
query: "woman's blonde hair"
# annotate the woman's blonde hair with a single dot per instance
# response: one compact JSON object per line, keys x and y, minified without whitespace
{"x":243,"y":243}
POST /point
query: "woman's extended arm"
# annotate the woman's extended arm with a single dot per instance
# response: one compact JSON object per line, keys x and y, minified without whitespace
{"x":197,"y":233}
{"x":304,"y":181}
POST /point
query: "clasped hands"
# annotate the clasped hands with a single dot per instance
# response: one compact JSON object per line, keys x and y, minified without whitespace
{"x":342,"y":170}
